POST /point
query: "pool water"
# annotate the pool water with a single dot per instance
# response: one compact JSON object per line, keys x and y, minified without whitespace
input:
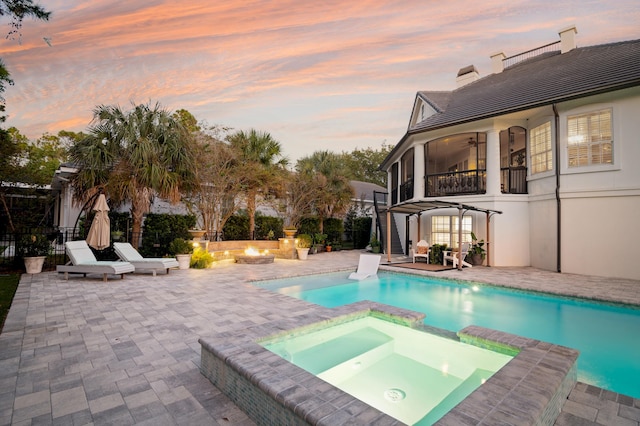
{"x":408,"y":374}
{"x":606,"y":335}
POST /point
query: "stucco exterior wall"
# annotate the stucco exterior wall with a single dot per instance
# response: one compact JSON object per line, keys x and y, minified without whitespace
{"x":600,"y":236}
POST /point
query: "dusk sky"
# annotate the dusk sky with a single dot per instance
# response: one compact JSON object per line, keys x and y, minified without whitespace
{"x":334,"y":75}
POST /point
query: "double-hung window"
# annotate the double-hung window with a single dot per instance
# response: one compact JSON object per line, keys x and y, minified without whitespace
{"x":541,"y":153}
{"x":590,"y":138}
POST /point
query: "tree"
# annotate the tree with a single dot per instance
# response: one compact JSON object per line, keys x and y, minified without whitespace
{"x":362,"y":164}
{"x":26,"y":163}
{"x":297,"y":198}
{"x":17,"y":10}
{"x":220,"y":176}
{"x":20,"y":9}
{"x":333,"y":191}
{"x":133,"y":156}
{"x":263,"y":155}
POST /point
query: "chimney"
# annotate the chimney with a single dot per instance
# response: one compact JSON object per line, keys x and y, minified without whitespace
{"x":568,"y":39}
{"x":496,"y":62}
{"x":467,"y":75}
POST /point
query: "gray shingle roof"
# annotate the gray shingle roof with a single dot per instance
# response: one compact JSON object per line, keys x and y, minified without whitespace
{"x":542,"y":80}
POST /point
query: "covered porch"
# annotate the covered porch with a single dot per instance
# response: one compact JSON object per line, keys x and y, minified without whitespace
{"x":419,"y":207}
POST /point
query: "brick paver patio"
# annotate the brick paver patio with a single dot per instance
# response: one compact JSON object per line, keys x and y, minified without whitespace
{"x":126,"y":352}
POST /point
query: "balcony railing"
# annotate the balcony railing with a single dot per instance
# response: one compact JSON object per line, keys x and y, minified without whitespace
{"x":513,"y":180}
{"x":456,"y":183}
{"x":406,"y":190}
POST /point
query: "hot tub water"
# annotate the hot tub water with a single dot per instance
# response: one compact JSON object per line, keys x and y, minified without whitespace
{"x":409,"y":374}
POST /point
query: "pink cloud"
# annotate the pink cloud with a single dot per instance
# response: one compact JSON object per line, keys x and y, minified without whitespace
{"x":345,"y":64}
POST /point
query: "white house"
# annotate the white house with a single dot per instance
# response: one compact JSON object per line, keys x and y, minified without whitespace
{"x":550,"y":139}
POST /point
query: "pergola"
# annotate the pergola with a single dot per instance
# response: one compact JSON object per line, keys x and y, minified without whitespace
{"x":418,"y":207}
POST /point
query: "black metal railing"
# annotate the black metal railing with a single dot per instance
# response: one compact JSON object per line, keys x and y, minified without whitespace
{"x":456,"y":183}
{"x":512,"y":60}
{"x":10,"y":247}
{"x":513,"y":180}
{"x":406,"y":190}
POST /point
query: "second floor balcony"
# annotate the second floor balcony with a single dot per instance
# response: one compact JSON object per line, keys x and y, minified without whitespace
{"x":456,"y":183}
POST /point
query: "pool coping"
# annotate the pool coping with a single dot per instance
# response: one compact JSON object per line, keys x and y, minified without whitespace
{"x":530,"y":389}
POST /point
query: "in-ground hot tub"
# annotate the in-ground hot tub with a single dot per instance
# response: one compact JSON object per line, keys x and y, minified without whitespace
{"x":531,"y":387}
{"x":413,"y":376}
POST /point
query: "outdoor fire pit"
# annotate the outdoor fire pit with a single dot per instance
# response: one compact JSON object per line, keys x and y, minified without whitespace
{"x":254,"y":257}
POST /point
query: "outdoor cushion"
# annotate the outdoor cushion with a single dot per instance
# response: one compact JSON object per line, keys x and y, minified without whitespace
{"x":126,"y":252}
{"x":84,"y":262}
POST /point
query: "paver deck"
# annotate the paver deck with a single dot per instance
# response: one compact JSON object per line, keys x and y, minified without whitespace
{"x":126,"y":352}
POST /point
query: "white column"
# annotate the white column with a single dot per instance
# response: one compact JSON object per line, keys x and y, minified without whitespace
{"x":418,"y":171}
{"x":493,"y":162}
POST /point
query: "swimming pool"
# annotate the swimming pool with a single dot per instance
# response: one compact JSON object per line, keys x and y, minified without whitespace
{"x":606,"y":335}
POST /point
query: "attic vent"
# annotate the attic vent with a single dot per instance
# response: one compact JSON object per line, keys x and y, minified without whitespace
{"x":467,"y":75}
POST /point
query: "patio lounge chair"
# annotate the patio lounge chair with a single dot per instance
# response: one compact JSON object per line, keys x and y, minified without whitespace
{"x":126,"y":252}
{"x":421,"y":250}
{"x":453,"y":256}
{"x":84,"y":262}
{"x":367,"y":267}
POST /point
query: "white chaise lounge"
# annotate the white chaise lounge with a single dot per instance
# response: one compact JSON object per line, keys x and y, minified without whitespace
{"x":367,"y":267}
{"x":84,"y":262}
{"x":126,"y":252}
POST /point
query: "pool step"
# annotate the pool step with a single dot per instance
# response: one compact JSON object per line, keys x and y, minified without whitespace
{"x":330,"y":353}
{"x":458,"y":394}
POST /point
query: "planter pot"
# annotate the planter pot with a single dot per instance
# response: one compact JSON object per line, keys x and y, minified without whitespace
{"x":289,"y":233}
{"x":475,"y":259}
{"x":328,"y":248}
{"x":375,"y":249}
{"x":196,"y":234}
{"x":183,"y":261}
{"x":34,"y":265}
{"x":302,"y":253}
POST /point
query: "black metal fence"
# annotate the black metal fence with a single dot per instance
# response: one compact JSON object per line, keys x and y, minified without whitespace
{"x":11,"y":243}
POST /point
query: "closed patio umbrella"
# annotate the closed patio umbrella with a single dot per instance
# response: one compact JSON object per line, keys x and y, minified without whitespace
{"x":99,"y":236}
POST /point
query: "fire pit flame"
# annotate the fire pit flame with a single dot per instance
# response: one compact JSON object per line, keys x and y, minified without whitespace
{"x":251,"y":252}
{"x":253,"y":256}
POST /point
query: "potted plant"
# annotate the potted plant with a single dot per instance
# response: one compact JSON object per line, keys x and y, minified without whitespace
{"x":436,"y":253}
{"x":289,"y":231}
{"x":375,"y":244}
{"x":476,"y":252}
{"x":318,"y":241}
{"x":116,"y":235}
{"x":182,"y":250}
{"x":34,"y":249}
{"x":304,"y":244}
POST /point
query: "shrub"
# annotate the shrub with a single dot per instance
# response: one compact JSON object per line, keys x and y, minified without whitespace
{"x":304,"y":240}
{"x":360,"y":231}
{"x":236,"y":228}
{"x":267,"y":224}
{"x":161,"y":229}
{"x":201,"y":259}
{"x":309,"y":225}
{"x":34,"y":245}
{"x":180,"y":246}
{"x":334,"y":228}
{"x":435,"y":255}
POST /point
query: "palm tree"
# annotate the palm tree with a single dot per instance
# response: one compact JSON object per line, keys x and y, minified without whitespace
{"x":333,"y":191}
{"x":263,"y":155}
{"x":133,"y":156}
